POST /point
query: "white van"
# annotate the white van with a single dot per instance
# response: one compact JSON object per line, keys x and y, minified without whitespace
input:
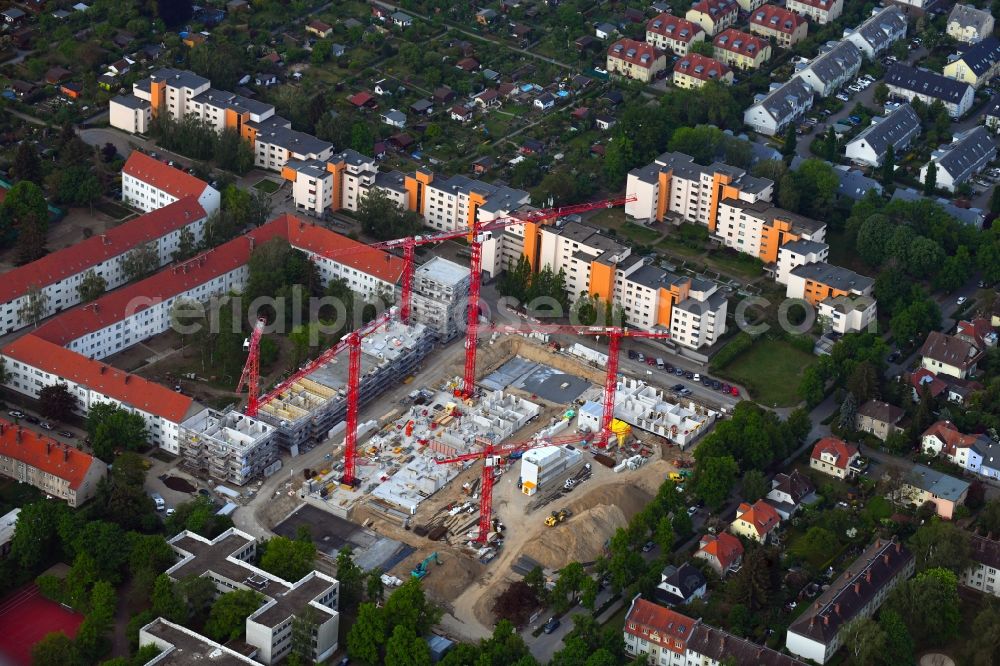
{"x":158,"y":501}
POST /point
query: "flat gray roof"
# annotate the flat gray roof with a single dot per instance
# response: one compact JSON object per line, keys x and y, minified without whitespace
{"x":843,"y":279}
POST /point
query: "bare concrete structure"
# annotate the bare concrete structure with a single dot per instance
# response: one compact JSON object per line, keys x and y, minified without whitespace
{"x":230,"y":447}
{"x":440,"y":290}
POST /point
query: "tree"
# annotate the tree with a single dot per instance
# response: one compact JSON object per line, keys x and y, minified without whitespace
{"x":113,"y":428}
{"x":790,"y":141}
{"x":755,"y":485}
{"x":374,"y":587}
{"x":56,"y":649}
{"x":714,"y":479}
{"x":140,"y":262}
{"x":174,"y":12}
{"x":865,"y":641}
{"x":405,"y":648}
{"x":929,"y":604}
{"x":56,"y":402}
{"x":27,"y":165}
{"x":848,"y":412}
{"x":382,"y":218}
{"x":983,"y":646}
{"x":408,"y":606}
{"x":930,"y":178}
{"x":940,"y":544}
{"x":121,"y":497}
{"x":702,"y":47}
{"x":199,"y":594}
{"x":350,"y":576}
{"x":567,"y":586}
{"x":25,"y":212}
{"x":36,"y":539}
{"x":362,"y":139}
{"x":664,"y":534}
{"x":898,"y":642}
{"x":92,"y":636}
{"x":198,"y":515}
{"x":289,"y":560}
{"x":168,"y":601}
{"x":989,"y":518}
{"x":889,"y":166}
{"x":817,"y":184}
{"x":815,"y":546}
{"x":186,"y":246}
{"x":303,"y":629}
{"x":368,"y":634}
{"x":863,"y":383}
{"x":881,"y":93}
{"x":227,"y":619}
{"x":751,"y":586}
{"x":92,"y":286}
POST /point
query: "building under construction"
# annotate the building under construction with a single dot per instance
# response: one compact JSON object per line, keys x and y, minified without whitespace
{"x":230,"y":447}
{"x":440,"y":290}
{"x":307,"y":412}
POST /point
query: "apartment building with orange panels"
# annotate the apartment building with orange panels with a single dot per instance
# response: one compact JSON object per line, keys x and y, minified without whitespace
{"x":760,"y":228}
{"x":842,"y":298}
{"x":692,"y":310}
{"x":675,"y":187}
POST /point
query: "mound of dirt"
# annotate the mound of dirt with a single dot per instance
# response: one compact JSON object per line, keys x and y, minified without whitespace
{"x":596,"y":517}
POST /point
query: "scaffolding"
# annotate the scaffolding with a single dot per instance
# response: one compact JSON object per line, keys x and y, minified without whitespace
{"x":230,"y":446}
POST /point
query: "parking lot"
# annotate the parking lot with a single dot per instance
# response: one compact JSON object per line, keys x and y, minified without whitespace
{"x":680,"y":388}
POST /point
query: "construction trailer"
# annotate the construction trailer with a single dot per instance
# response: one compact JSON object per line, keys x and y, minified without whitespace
{"x":230,"y":446}
{"x":307,"y":412}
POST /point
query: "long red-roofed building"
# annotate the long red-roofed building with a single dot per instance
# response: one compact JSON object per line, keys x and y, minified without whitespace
{"x":67,"y":348}
{"x":54,"y":468}
{"x":148,"y":184}
{"x":54,"y":278}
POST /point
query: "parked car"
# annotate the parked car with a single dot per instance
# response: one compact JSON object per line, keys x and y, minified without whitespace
{"x":670,"y":369}
{"x":678,"y":387}
{"x":650,"y":360}
{"x":736,"y":391}
{"x":32,"y":419}
{"x":961,"y":300}
{"x":16,"y":414}
{"x":696,"y":377}
{"x":692,"y":510}
{"x":552,"y":625}
{"x":660,"y":364}
{"x":690,"y":375}
{"x":45,"y":425}
{"x":842,"y":97}
{"x":67,"y":434}
{"x":640,"y":357}
{"x":648,"y":546}
{"x":632,"y":355}
{"x":679,"y":372}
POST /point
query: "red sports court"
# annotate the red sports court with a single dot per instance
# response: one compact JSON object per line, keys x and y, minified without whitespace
{"x":25,"y":618}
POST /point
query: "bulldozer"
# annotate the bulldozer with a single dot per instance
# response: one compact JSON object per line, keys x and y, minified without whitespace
{"x":557,"y":517}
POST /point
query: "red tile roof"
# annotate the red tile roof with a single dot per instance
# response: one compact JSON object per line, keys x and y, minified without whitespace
{"x":760,"y":514}
{"x":166,"y":284}
{"x":776,"y":18}
{"x":360,"y":99}
{"x":135,"y":391}
{"x":724,"y":547}
{"x":825,"y":5}
{"x":976,"y":331}
{"x":737,"y":41}
{"x":162,"y":176}
{"x":715,"y":8}
{"x":952,"y":437}
{"x":632,"y":51}
{"x":923,"y":377}
{"x":838,"y":448}
{"x":44,"y":453}
{"x":673,"y":27}
{"x":656,"y":624}
{"x":76,"y":258}
{"x":701,"y":67}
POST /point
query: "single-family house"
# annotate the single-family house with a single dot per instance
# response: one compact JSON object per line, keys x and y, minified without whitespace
{"x":488,"y":99}
{"x":394,"y":118}
{"x":604,"y":30}
{"x":57,"y":75}
{"x":713,"y":16}
{"x":362,"y":100}
{"x":723,"y":552}
{"x":969,"y":24}
{"x":785,"y":27}
{"x":911,"y":83}
{"x":977,"y":65}
{"x":789,"y":492}
{"x":486,"y":16}
{"x":483,"y":165}
{"x":532,"y":147}
{"x":672,"y":33}
{"x":695,"y":70}
{"x":878,"y":418}
{"x":680,"y":585}
{"x":386,"y":87}
{"x":922,"y":485}
{"x":319,"y":28}
{"x":943,"y":438}
{"x":944,"y":354}
{"x":881,"y":30}
{"x":757,"y":521}
{"x":401,"y":19}
{"x":604,"y":122}
{"x":422,"y":107}
{"x":467,"y":64}
{"x":461,"y":114}
{"x":784,"y":104}
{"x":834,"y":456}
{"x":830,"y":70}
{"x":585,"y":43}
{"x":545,"y":101}
{"x":897,"y":129}
{"x":13,"y":15}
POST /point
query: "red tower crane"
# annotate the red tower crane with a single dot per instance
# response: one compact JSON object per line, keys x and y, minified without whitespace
{"x":251,"y":370}
{"x":492,"y":456}
{"x":615,"y":335}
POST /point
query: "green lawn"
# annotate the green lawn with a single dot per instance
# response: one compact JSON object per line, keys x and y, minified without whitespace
{"x":266,"y":186}
{"x":674,"y":246}
{"x":770,"y":370}
{"x":741,"y":265}
{"x":639,"y":234}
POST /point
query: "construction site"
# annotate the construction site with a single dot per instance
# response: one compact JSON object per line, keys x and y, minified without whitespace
{"x":411,"y":512}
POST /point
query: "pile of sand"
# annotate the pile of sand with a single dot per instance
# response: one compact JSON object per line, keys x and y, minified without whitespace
{"x":596,"y":517}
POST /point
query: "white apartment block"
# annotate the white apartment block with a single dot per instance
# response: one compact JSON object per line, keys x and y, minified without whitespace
{"x":841,"y":297}
{"x":275,"y":144}
{"x":57,"y":276}
{"x":761,"y":229}
{"x":985,"y":570}
{"x":227,"y":562}
{"x":675,"y":187}
{"x":341,"y":182}
{"x":149,"y":184}
{"x":452,"y":204}
{"x":130,"y":113}
{"x":797,"y":253}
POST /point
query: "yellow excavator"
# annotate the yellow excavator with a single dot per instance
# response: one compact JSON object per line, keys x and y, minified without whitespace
{"x":557,"y":517}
